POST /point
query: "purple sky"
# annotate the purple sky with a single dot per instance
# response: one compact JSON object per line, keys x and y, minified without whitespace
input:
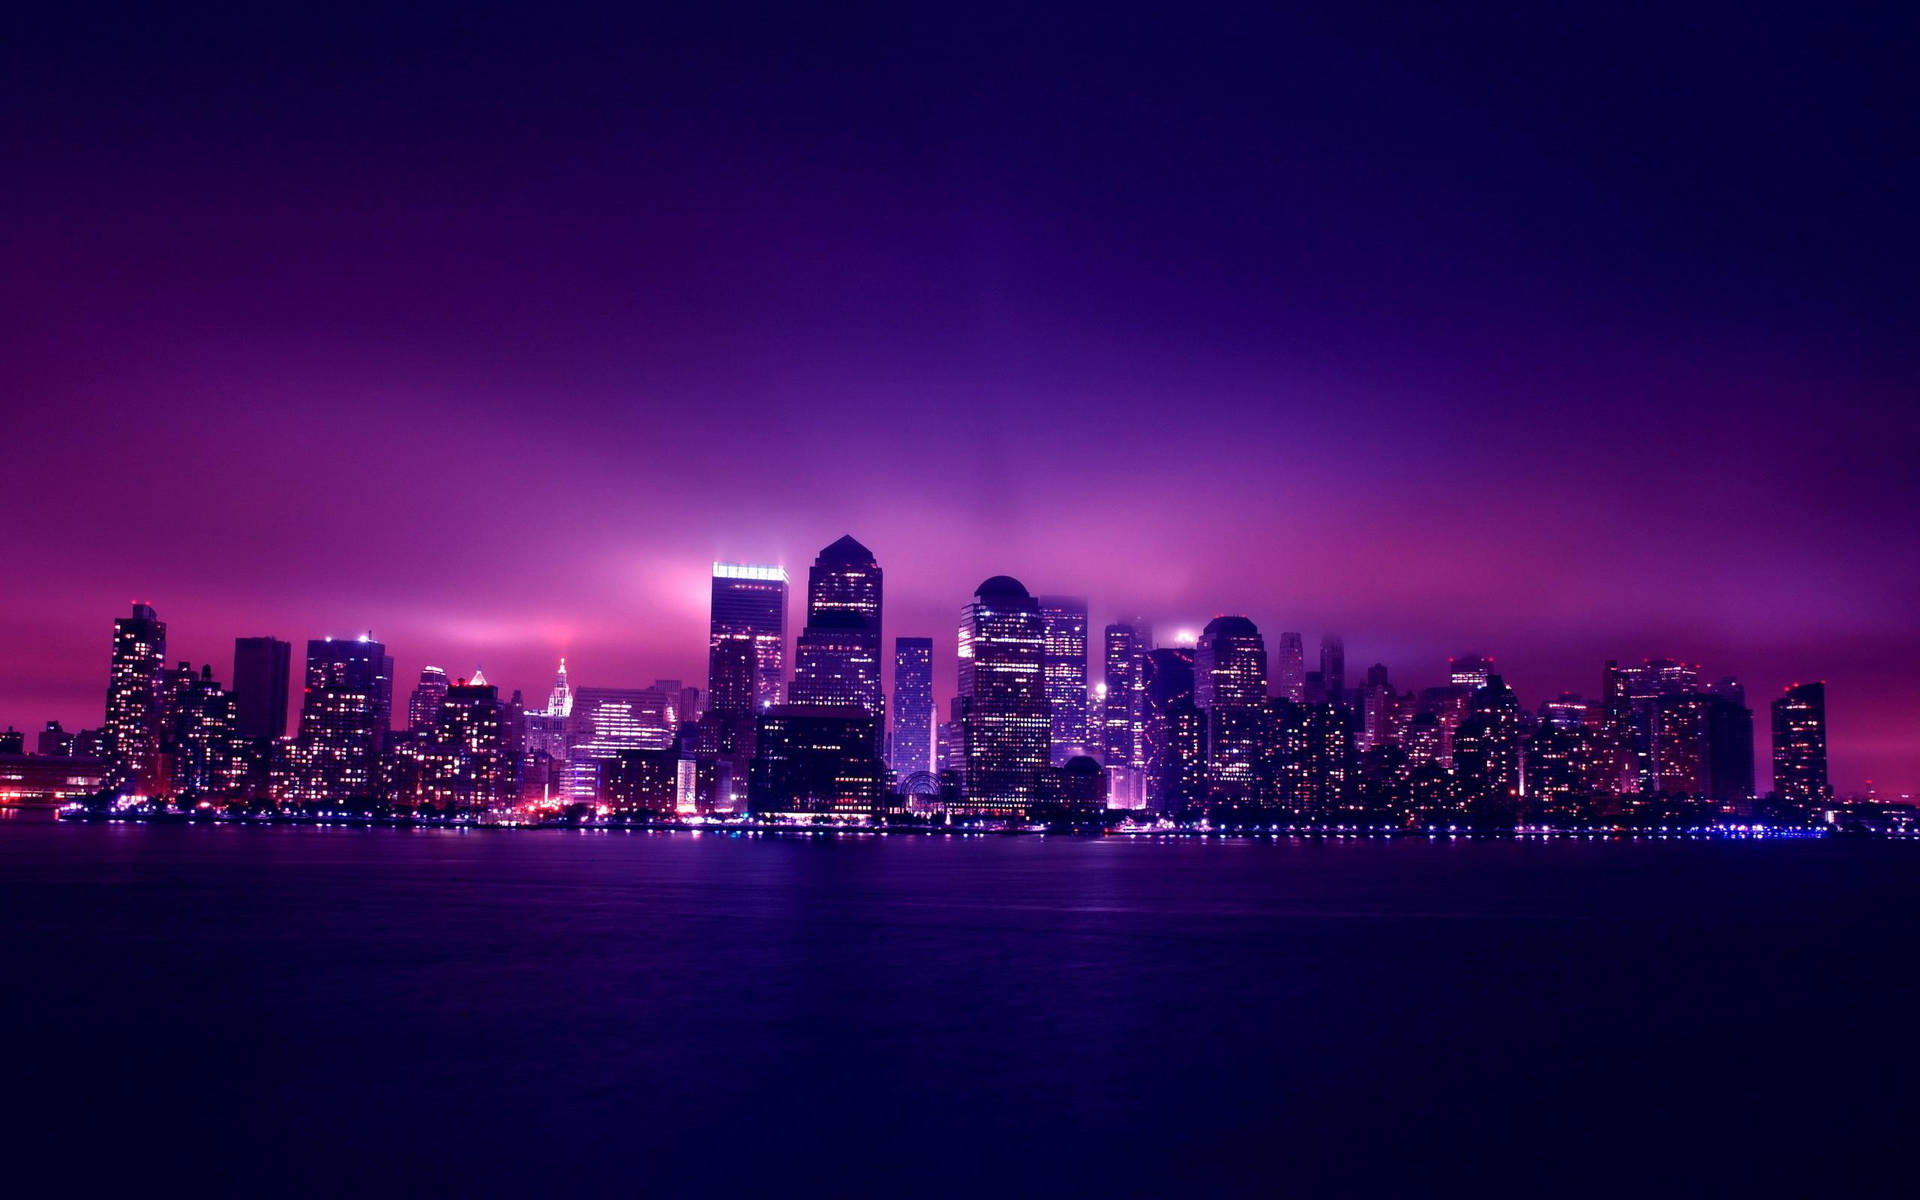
{"x":490,"y":332}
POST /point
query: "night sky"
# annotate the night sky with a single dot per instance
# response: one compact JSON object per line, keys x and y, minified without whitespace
{"x":1552,"y":337}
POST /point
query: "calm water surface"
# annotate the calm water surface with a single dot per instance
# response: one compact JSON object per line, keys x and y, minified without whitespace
{"x":275,"y":1010}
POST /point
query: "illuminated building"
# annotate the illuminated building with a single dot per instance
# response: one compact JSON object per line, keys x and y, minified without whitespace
{"x":1486,"y":753}
{"x":642,"y":781}
{"x":1290,"y":668}
{"x":1800,"y":745}
{"x":1230,"y":688}
{"x":1553,"y":774}
{"x":1120,"y":703}
{"x":466,"y":764}
{"x":12,"y":741}
{"x":1567,"y":711}
{"x":1679,"y":743}
{"x":1469,"y":671}
{"x":345,"y":717}
{"x":749,"y":606}
{"x":1379,"y":710}
{"x":262,"y":673}
{"x":837,"y":656}
{"x":606,"y":721}
{"x":911,"y":749}
{"x":545,"y":729}
{"x":1333,"y":668}
{"x":37,"y":781}
{"x":207,"y":752}
{"x":423,"y":707}
{"x":1064,"y":663}
{"x":135,"y":718}
{"x":1006,"y":725}
{"x":815,"y":761}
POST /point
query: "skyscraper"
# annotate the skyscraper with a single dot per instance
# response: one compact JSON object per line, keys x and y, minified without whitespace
{"x":1006,"y":726}
{"x":344,"y":721}
{"x":1800,"y":744}
{"x":1230,"y":687}
{"x":133,"y":729}
{"x":911,"y":750}
{"x":1065,"y":666}
{"x":1290,"y":668}
{"x":262,"y":672}
{"x":466,"y":762}
{"x":423,"y":707}
{"x":750,"y":607}
{"x":1333,"y":668}
{"x":1172,"y":732}
{"x":1120,"y":706}
{"x":837,"y":656}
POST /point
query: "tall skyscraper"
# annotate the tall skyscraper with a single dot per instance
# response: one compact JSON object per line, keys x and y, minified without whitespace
{"x":1800,"y":744}
{"x":1290,"y":668}
{"x":912,"y":745}
{"x":135,"y":719}
{"x":1065,"y":666}
{"x":467,"y":764}
{"x":837,"y":656}
{"x":1006,"y":725}
{"x":344,"y":721}
{"x":262,"y":672}
{"x":1120,"y":705}
{"x":750,"y":608}
{"x":423,"y":707}
{"x":1333,"y":668}
{"x":1230,"y":687}
{"x":1172,"y":732}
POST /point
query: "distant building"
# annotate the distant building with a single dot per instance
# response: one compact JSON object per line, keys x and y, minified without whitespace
{"x":911,"y":748}
{"x":1800,"y":745}
{"x":1006,"y":724}
{"x":423,"y":707}
{"x":1064,"y":663}
{"x":1290,"y":668}
{"x":1230,"y":687}
{"x":1172,"y":733}
{"x":604,"y":723}
{"x":54,"y":742}
{"x":749,"y":606}
{"x":262,"y":673}
{"x":45,"y":781}
{"x":1333,"y":668}
{"x":12,"y":741}
{"x":1122,"y":649}
{"x":466,"y":761}
{"x":135,"y":718}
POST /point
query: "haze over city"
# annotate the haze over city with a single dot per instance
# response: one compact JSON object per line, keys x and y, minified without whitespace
{"x":495,"y":342}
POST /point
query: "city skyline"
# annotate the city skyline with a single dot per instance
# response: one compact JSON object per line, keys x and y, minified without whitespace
{"x":1227,"y":686}
{"x":1285,"y":325}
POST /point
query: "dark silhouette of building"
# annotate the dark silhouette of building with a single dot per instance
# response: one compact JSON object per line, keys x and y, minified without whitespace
{"x":262,"y":672}
{"x":817,"y":761}
{"x":54,"y":742}
{"x":1333,"y":668}
{"x":1172,"y":733}
{"x":1006,"y":724}
{"x":1800,"y":745}
{"x":1074,"y":790}
{"x":911,"y":748}
{"x":135,"y":721}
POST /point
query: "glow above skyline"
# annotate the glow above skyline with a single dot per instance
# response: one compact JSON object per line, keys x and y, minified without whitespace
{"x":496,"y":347}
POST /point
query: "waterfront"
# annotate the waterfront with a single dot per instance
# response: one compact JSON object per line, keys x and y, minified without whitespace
{"x":248,"y":1008}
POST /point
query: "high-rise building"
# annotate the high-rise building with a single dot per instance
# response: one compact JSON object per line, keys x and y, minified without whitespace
{"x":207,"y":754}
{"x":750,"y":607}
{"x":1065,"y":665}
{"x":1730,"y":749}
{"x":54,"y":742}
{"x":135,"y":722}
{"x":1006,"y":724}
{"x":262,"y":672}
{"x":1230,"y":688}
{"x":1679,"y":743}
{"x":911,"y":749}
{"x":465,"y":758}
{"x":837,"y":656}
{"x":1800,"y":745}
{"x":423,"y":707}
{"x":1290,"y":668}
{"x":1333,"y":668}
{"x":1120,"y":702}
{"x":345,"y":719}
{"x":1469,"y":671}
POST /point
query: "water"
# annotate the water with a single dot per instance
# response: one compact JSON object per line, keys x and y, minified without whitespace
{"x":321,"y":1010}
